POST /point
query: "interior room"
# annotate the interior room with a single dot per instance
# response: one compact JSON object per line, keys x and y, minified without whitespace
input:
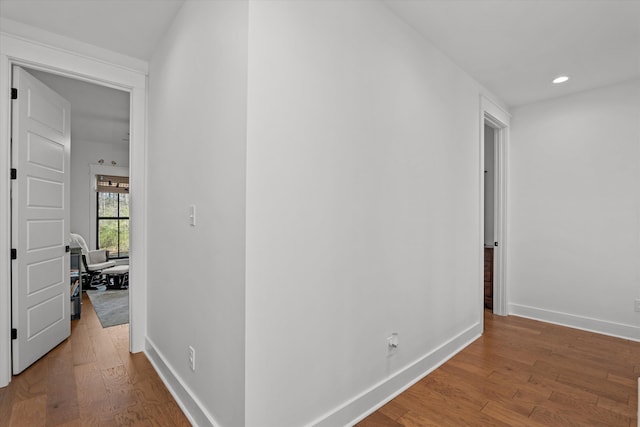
{"x":99,"y":216}
{"x":343,"y":213}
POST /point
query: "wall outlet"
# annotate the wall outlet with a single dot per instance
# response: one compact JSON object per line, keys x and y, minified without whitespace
{"x":637,"y":305}
{"x":392,"y":344}
{"x":192,"y":358}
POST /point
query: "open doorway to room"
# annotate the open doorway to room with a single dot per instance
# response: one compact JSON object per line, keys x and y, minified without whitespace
{"x":97,"y":201}
{"x":113,"y":71}
{"x":490,"y":242}
{"x":99,"y":193}
{"x":494,"y":144}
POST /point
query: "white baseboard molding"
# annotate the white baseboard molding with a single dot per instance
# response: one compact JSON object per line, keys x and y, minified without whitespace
{"x":618,"y":330}
{"x":188,"y":402}
{"x":372,"y":399}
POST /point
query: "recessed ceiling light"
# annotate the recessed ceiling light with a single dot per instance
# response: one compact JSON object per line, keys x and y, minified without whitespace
{"x":560,"y":79}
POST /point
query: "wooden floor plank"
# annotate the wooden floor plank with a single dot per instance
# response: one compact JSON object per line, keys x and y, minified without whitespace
{"x":528,"y":373}
{"x":167,"y":414}
{"x":90,"y":388}
{"x":133,"y":415}
{"x":29,"y":412}
{"x":595,"y":412}
{"x":32,"y":382}
{"x":415,"y":419}
{"x":508,"y":415}
{"x":551,"y":385}
{"x":82,"y":348}
{"x":393,"y":410}
{"x":378,"y":419}
{"x":628,"y":411}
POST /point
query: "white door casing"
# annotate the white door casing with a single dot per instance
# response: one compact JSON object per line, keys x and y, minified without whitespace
{"x":97,"y":66}
{"x":40,"y":219}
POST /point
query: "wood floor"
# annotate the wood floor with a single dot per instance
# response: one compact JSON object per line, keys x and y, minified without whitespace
{"x":525,"y":373}
{"x":519,"y":373}
{"x":91,"y":379}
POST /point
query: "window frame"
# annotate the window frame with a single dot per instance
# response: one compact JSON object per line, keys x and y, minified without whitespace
{"x":114,"y":218}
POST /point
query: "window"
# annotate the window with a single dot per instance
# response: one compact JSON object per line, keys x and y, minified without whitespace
{"x":113,"y":215}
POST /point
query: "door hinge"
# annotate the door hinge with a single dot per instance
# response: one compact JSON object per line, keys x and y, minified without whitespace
{"x":495,"y":243}
{"x":14,"y":173}
{"x":14,"y":93}
{"x":67,"y":248}
{"x":14,"y":253}
{"x":14,"y":334}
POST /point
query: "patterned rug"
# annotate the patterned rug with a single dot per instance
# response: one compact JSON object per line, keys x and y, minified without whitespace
{"x":111,"y":306}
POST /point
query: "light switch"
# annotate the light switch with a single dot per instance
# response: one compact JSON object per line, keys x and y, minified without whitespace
{"x":192,"y":215}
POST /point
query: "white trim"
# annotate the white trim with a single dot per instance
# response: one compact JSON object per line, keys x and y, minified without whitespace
{"x":618,"y":330}
{"x":495,"y":110}
{"x":193,"y":409}
{"x":99,"y":170}
{"x":499,"y":119}
{"x":500,"y":228}
{"x":5,"y":222}
{"x":363,"y":405}
{"x":17,"y":50}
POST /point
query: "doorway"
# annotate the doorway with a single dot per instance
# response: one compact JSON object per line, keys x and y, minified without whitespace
{"x":490,"y":242}
{"x":494,"y":143}
{"x":97,"y":135}
{"x":107,"y":70}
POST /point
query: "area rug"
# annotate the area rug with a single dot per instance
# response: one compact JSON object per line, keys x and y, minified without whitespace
{"x":111,"y":306}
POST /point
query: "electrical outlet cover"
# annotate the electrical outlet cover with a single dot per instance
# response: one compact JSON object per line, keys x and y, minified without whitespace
{"x":392,"y":344}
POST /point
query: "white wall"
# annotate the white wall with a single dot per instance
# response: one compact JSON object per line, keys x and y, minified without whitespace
{"x":362,"y":206}
{"x":83,"y":154}
{"x":196,"y":155}
{"x":489,"y":183}
{"x":575,"y":210}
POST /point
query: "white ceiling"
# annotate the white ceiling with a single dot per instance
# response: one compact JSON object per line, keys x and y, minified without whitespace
{"x":516,"y":47}
{"x":513,"y":47}
{"x":98,"y":113}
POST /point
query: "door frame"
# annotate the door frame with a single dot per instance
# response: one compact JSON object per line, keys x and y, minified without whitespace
{"x":499,"y":119}
{"x":16,"y":50}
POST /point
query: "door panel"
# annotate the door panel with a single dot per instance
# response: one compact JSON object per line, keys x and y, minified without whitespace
{"x":44,"y":194}
{"x":40,"y":220}
{"x":45,"y":152}
{"x":44,"y":315}
{"x":45,"y":274}
{"x":44,"y":234}
{"x":46,"y":110}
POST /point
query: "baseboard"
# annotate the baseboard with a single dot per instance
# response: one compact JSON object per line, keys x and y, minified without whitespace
{"x":618,"y":330}
{"x":188,"y":402}
{"x":372,"y":399}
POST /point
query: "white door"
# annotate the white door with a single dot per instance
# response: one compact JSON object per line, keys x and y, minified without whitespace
{"x":40,"y":153}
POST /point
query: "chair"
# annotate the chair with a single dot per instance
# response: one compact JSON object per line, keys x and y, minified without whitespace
{"x":93,"y":261}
